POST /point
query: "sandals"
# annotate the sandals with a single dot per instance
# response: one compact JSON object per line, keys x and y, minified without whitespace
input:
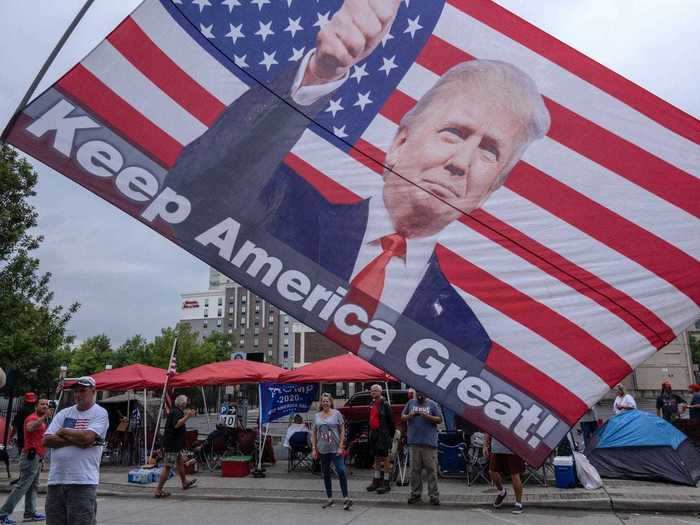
{"x":162,"y":494}
{"x":191,"y":483}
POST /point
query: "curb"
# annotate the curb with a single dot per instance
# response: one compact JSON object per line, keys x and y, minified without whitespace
{"x":587,"y":502}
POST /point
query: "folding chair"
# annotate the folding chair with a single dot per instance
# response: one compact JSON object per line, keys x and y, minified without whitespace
{"x":299,"y":456}
{"x":477,"y":463}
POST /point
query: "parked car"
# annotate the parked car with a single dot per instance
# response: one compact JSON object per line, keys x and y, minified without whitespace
{"x":356,"y":410}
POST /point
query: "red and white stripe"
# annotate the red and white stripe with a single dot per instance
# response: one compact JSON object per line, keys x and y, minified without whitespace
{"x":582,"y":265}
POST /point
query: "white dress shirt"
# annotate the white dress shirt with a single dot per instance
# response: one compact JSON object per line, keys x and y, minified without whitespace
{"x":403,"y":274}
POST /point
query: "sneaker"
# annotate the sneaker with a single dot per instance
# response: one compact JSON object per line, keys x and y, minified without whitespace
{"x":327,"y":504}
{"x":414,"y":499}
{"x":347,"y":504}
{"x":499,"y":499}
{"x":37,"y":516}
{"x":5,"y":519}
{"x":518,"y":508}
{"x":435,"y":501}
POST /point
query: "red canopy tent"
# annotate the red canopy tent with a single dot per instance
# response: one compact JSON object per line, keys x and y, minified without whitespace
{"x":343,"y":368}
{"x":131,"y":377}
{"x":227,"y":373}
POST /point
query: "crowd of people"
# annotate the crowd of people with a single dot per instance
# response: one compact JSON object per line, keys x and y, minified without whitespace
{"x":75,"y":436}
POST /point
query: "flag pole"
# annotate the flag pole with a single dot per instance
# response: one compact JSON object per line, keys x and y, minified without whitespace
{"x":47,"y":64}
{"x":162,"y":399}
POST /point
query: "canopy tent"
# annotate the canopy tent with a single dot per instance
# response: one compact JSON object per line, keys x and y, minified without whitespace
{"x":227,"y":373}
{"x":131,"y":377}
{"x":639,"y":445}
{"x":343,"y":368}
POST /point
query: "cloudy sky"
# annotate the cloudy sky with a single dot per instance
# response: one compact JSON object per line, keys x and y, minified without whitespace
{"x":128,"y":278}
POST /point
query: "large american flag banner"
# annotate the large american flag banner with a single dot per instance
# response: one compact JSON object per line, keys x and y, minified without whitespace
{"x":581,"y":266}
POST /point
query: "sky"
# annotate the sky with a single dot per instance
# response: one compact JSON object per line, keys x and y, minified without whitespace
{"x":128,"y":279}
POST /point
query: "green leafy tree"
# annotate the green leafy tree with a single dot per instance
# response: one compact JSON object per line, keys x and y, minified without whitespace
{"x":32,"y":330}
{"x":190,"y":352}
{"x":134,"y":350}
{"x":93,"y":355}
{"x":695,"y":349}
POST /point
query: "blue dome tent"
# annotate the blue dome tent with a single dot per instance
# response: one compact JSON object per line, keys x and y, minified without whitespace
{"x":639,"y":445}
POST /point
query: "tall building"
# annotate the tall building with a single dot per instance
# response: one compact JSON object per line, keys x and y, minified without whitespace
{"x":256,"y":328}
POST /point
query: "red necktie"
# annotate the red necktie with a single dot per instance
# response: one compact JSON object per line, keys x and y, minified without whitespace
{"x":367,"y":286}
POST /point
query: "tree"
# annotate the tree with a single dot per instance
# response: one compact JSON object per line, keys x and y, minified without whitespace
{"x":93,"y":355}
{"x":134,"y":350}
{"x":32,"y":330}
{"x":694,"y":349}
{"x":190,"y":352}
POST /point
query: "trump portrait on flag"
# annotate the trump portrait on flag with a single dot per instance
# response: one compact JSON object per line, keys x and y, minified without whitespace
{"x":451,"y":151}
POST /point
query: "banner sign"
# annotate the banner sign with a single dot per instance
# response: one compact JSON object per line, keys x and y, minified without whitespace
{"x":283,"y":399}
{"x":439,"y":187}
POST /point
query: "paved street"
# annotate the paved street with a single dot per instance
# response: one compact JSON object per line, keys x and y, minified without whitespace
{"x":145,"y":511}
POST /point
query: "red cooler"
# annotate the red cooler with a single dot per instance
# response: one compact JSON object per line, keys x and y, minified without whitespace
{"x":235,"y":466}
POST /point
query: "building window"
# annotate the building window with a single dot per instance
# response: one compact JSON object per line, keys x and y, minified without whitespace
{"x":220,"y":312}
{"x":242,"y":331}
{"x":286,"y":341}
{"x":230,"y":323}
{"x":206,"y":312}
{"x":269,"y":353}
{"x":269,"y":341}
{"x":241,"y":343}
{"x":230,"y":309}
{"x":220,"y":301}
{"x":205,"y":325}
{"x":218,"y":323}
{"x":256,"y":331}
{"x":286,"y":330}
{"x":242,"y":320}
{"x":206,"y":302}
{"x":242,"y":309}
{"x":230,"y":331}
{"x":257,"y":307}
{"x":243,"y":298}
{"x":255,"y":342}
{"x":272,"y":319}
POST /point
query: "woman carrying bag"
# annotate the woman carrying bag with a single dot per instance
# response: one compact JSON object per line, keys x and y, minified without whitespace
{"x":327,"y":441}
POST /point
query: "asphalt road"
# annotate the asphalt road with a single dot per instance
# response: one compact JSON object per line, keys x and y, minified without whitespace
{"x":146,"y":511}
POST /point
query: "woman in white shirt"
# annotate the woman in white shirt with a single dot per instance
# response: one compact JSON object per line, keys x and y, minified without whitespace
{"x":623,"y":401}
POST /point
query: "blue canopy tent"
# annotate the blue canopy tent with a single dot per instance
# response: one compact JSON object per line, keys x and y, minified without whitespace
{"x":639,"y":445}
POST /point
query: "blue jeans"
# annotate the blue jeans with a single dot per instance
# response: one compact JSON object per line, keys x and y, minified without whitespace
{"x":339,"y":464}
{"x":29,"y":470}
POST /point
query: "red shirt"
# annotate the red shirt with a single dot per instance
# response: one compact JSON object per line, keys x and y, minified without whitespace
{"x":374,"y":415}
{"x":34,"y":439}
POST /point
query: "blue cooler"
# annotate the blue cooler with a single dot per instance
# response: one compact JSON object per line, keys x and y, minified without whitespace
{"x":564,"y":472}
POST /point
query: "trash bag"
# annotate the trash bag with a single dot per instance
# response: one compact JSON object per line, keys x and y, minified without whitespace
{"x":587,"y":474}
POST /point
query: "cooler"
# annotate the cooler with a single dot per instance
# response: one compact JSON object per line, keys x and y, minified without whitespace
{"x":564,"y":472}
{"x":235,"y":466}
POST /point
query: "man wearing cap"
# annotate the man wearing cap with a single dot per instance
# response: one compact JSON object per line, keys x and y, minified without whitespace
{"x":76,"y":436}
{"x":30,"y":463}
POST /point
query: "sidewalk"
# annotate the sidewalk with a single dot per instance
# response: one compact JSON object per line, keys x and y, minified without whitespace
{"x":280,"y":486}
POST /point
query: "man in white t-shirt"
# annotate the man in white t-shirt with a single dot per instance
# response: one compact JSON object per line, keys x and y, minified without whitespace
{"x":75,"y":437}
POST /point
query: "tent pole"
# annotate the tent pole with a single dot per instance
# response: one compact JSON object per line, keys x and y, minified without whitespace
{"x":206,"y":409}
{"x":145,"y":427}
{"x":388,"y":396}
{"x":162,"y":397}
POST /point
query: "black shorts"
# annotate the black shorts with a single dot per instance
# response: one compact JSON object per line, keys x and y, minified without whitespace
{"x":379,"y":445}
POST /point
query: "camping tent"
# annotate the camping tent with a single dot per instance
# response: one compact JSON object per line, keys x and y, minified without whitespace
{"x":639,"y":445}
{"x":227,"y":373}
{"x":346,"y":367}
{"x":131,"y":377}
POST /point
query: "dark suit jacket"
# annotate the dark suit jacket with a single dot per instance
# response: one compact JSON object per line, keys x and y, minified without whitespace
{"x":236,"y":169}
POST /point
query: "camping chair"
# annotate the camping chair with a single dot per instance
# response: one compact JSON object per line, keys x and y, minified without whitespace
{"x":399,"y":457}
{"x":215,"y":447}
{"x":477,"y":463}
{"x":299,"y":456}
